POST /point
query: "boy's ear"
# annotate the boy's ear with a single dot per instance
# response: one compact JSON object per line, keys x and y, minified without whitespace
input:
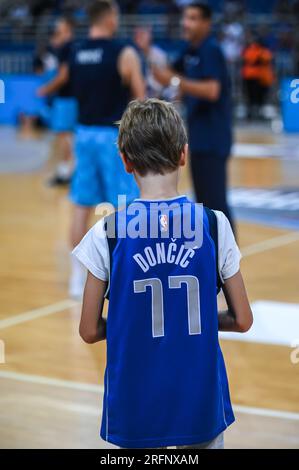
{"x":128,"y":165}
{"x":184,"y":155}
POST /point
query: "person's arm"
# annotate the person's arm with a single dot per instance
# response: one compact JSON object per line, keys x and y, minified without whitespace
{"x":93,"y":253}
{"x":208,"y":89}
{"x":130,"y":71}
{"x":92,"y":325}
{"x":58,"y":81}
{"x":238,"y":317}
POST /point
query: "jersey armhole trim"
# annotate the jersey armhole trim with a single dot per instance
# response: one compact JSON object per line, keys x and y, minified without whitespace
{"x":213,"y":229}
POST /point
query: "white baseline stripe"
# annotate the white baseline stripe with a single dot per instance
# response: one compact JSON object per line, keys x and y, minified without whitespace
{"x":85,"y":387}
{"x":42,"y":380}
{"x":268,"y":413}
{"x":281,"y":330}
{"x":37,"y":313}
{"x":71,"y":407}
{"x":270,"y":243}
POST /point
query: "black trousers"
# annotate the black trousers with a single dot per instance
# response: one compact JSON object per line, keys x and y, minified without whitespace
{"x":209,"y":174}
{"x":256,"y":95}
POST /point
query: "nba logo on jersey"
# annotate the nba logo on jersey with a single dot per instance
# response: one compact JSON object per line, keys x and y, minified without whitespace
{"x":163,"y":222}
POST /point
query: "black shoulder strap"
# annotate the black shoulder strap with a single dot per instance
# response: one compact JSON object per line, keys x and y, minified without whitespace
{"x":214,"y":235}
{"x":111,"y":233}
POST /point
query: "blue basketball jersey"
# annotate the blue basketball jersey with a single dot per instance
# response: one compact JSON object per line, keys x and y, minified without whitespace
{"x":165,"y":380}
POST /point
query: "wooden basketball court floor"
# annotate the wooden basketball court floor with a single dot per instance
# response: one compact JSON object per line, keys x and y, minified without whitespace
{"x":51,"y":384}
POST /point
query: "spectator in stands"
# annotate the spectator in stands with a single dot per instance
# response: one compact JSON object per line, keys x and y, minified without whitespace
{"x":232,"y":45}
{"x":284,"y":57}
{"x":232,"y":40}
{"x":154,"y":7}
{"x":182,"y":3}
{"x":282,"y":8}
{"x":150,"y":55}
{"x":39,"y":7}
{"x":233,"y":7}
{"x":268,"y":37}
{"x":258,"y":76}
{"x":128,"y":6}
{"x":296,"y":9}
{"x":74,"y":8}
{"x":296,"y":55}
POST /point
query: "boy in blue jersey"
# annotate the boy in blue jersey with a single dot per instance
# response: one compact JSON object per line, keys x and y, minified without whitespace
{"x":165,"y":380}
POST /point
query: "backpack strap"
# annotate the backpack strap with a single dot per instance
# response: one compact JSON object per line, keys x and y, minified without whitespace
{"x":213,"y":226}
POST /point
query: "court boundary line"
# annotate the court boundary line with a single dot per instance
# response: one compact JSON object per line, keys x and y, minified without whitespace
{"x":270,"y":244}
{"x":93,"y":388}
{"x":37,"y":313}
{"x":266,"y":412}
{"x":51,"y":381}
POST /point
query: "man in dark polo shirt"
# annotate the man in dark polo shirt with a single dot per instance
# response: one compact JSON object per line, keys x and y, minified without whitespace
{"x":200,"y":76}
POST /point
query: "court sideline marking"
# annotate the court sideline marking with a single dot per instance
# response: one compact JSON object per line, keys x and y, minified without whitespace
{"x":255,"y":248}
{"x":37,"y":313}
{"x":270,"y":244}
{"x":92,"y":388}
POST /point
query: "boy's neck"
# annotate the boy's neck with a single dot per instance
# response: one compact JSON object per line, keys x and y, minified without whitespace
{"x":160,"y":187}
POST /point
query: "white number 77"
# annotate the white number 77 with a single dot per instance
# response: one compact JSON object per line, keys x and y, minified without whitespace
{"x":174,"y":282}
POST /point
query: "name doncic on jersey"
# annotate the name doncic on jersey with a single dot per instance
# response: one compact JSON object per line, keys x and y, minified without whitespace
{"x":161,"y":254}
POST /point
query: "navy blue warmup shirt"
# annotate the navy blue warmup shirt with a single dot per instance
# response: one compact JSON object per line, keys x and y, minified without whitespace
{"x":96,"y":82}
{"x":63,"y":54}
{"x":209,"y":123}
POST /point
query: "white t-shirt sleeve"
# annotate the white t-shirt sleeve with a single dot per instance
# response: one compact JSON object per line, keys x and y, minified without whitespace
{"x":93,"y":251}
{"x":229,"y":255}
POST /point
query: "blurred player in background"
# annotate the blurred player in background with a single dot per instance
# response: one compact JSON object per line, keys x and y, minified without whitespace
{"x":150,"y":54}
{"x":105,"y":75}
{"x":64,"y":107}
{"x":201,"y":77}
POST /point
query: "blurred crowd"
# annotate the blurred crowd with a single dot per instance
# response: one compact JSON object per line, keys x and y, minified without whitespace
{"x":77,"y":7}
{"x":259,"y":54}
{"x":35,"y":8}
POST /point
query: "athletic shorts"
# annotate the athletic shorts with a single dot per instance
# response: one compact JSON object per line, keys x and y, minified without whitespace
{"x":217,"y":444}
{"x":214,"y":444}
{"x":99,"y":174}
{"x":64,"y":114}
